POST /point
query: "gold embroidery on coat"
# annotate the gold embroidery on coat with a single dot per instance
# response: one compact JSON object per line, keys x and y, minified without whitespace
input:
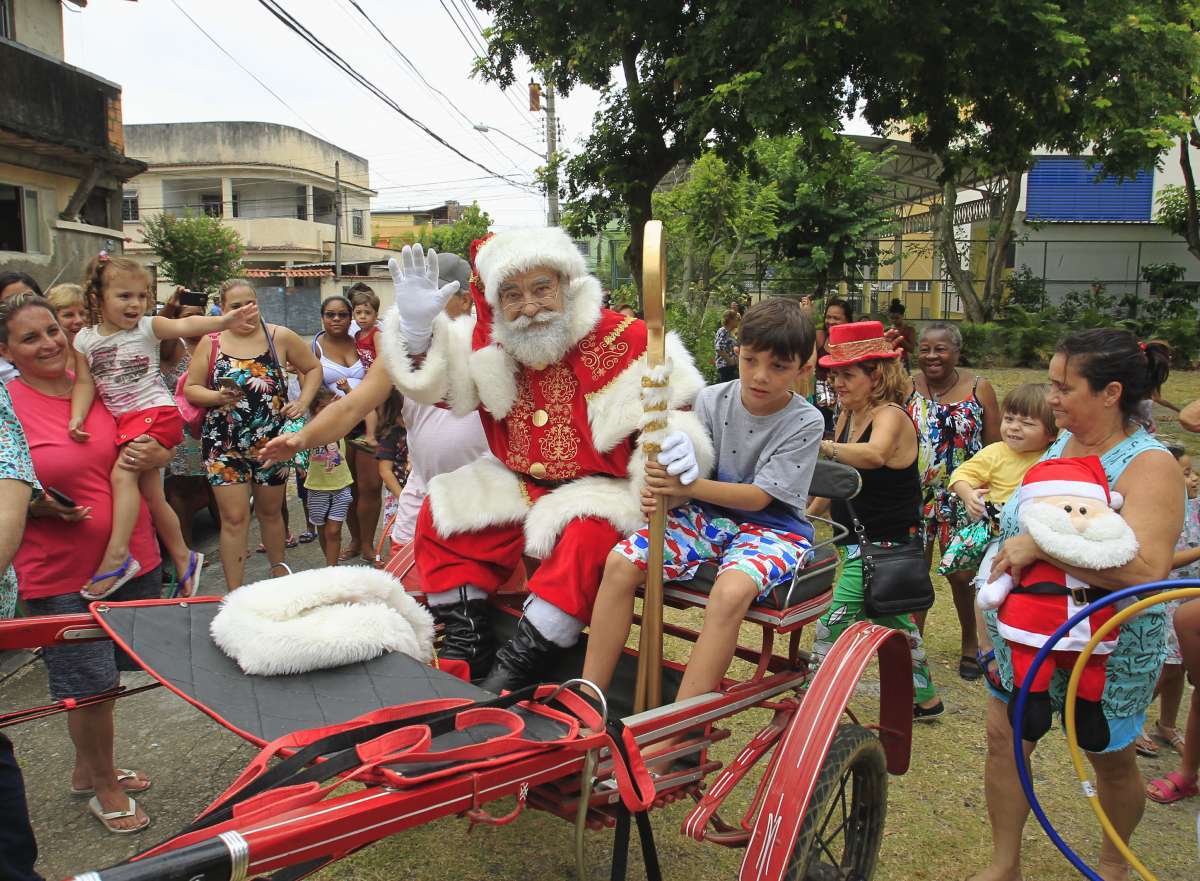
{"x":600,"y":356}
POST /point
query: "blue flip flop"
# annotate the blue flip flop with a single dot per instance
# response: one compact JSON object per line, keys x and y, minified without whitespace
{"x":191,"y":574}
{"x":123,"y":575}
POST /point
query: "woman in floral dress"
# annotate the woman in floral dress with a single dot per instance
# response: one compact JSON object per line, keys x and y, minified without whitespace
{"x":957,"y":413}
{"x":246,"y":392}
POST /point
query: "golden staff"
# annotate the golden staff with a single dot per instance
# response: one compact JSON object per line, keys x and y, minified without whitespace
{"x":655,"y":397}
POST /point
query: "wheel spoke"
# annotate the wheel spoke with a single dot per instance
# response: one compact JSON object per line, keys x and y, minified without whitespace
{"x":833,"y":804}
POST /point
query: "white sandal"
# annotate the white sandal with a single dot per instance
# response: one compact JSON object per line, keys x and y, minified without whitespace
{"x":106,"y":817}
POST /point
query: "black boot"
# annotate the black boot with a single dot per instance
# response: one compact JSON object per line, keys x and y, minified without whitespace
{"x":466,"y":633}
{"x":1091,"y":728}
{"x":523,"y":660}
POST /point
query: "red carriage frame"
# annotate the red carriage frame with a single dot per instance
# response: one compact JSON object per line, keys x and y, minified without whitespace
{"x":819,"y":758}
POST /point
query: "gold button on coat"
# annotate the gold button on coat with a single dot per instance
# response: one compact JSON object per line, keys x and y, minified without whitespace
{"x":538,"y":470}
{"x":540,"y":418}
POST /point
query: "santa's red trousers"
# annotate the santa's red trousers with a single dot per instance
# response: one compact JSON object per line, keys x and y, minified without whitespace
{"x":569,"y":578}
{"x":1091,"y":682}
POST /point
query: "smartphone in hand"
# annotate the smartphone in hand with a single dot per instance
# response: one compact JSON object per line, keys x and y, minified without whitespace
{"x":193,"y":298}
{"x":61,"y":497}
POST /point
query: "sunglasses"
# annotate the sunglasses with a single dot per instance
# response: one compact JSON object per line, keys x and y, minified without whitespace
{"x":336,"y":314}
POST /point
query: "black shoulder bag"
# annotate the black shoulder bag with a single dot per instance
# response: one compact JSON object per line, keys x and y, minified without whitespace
{"x":895,"y":575}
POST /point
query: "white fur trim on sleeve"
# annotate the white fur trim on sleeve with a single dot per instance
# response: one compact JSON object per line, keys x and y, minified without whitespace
{"x":495,"y":375}
{"x":428,"y":382}
{"x":479,"y":494}
{"x":319,"y":619}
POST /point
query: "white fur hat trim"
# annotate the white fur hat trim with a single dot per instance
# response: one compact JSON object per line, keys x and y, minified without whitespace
{"x":321,"y":618}
{"x":520,"y":249}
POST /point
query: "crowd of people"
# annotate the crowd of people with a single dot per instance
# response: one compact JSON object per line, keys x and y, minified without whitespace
{"x":494,"y":415}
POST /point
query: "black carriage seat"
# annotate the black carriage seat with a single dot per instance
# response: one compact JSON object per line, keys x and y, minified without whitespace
{"x":806,"y":597}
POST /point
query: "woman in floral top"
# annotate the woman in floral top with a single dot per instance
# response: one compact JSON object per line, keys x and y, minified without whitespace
{"x":16,"y":466}
{"x":725,"y":347}
{"x":246,"y":392}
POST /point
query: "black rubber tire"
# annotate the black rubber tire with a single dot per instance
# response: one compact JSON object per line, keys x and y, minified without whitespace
{"x":856,"y":761}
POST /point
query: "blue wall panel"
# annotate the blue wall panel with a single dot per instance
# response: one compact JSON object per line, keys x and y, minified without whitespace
{"x":1065,"y":188}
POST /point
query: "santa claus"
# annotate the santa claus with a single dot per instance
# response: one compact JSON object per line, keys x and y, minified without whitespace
{"x":556,"y":380}
{"x":1070,"y":513}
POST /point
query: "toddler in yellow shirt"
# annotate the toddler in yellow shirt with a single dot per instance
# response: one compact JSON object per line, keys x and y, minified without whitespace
{"x":987,"y":480}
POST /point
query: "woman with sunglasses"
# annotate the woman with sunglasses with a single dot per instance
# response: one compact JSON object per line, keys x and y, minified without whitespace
{"x":241,"y":378}
{"x":342,"y":370}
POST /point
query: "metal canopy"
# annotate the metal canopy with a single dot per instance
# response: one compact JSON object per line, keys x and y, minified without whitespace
{"x":911,"y":173}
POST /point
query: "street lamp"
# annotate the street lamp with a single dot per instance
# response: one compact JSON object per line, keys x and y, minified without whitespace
{"x":480,"y":127}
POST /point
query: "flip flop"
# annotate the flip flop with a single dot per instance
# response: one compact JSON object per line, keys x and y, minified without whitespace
{"x":292,"y":541}
{"x":123,"y":774}
{"x":1171,"y":788}
{"x":284,"y":566}
{"x":106,"y":817}
{"x":191,"y":574}
{"x":984,"y":660}
{"x":969,"y":668}
{"x":1145,"y":747}
{"x":348,"y":555}
{"x":123,"y":575}
{"x":306,"y":538}
{"x":1173,"y":740}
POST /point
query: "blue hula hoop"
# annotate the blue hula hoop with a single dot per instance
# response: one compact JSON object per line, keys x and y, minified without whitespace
{"x":1022,"y":697}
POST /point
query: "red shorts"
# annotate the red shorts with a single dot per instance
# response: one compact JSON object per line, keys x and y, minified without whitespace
{"x":164,"y":424}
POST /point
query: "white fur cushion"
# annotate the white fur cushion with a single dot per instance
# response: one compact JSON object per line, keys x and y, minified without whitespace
{"x":321,"y":618}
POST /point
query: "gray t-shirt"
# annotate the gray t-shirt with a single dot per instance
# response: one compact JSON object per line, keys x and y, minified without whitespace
{"x":776,"y":453}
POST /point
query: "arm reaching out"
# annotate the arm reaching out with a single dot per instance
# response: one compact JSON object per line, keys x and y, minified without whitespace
{"x":199,"y":325}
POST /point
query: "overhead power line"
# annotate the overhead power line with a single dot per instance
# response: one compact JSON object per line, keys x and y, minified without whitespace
{"x":249,"y":72}
{"x":334,"y":58}
{"x":470,"y":123}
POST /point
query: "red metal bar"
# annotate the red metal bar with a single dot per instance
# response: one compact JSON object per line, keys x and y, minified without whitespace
{"x":36,"y":632}
{"x":797,"y":761}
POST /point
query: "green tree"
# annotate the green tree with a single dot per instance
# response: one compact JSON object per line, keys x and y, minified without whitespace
{"x":676,"y":78}
{"x":196,"y":251}
{"x":831,"y":208}
{"x":985,"y":88}
{"x":1177,"y":210}
{"x":711,"y":218}
{"x":456,"y":237}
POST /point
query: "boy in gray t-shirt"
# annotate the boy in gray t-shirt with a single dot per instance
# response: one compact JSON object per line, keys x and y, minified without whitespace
{"x":749,"y":519}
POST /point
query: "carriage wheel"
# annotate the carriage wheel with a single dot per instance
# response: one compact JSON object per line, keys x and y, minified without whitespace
{"x":843,"y":826}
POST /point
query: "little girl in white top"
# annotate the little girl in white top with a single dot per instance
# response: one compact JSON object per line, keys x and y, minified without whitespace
{"x":119,"y":360}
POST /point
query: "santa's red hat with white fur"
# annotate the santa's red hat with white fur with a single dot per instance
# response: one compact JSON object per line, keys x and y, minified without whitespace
{"x":1082,"y":477}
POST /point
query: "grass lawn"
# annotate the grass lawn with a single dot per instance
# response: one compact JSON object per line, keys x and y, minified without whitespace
{"x":937,"y":825}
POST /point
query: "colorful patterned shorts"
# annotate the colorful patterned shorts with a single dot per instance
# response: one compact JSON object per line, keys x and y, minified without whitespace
{"x":694,"y":536}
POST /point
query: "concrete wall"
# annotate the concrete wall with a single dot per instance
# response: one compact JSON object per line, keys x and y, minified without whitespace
{"x":239,"y":143}
{"x":38,"y":24}
{"x":65,"y":247}
{"x":1070,"y":256}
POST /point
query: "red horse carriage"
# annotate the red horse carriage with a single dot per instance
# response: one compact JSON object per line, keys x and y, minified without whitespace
{"x":424,"y":744}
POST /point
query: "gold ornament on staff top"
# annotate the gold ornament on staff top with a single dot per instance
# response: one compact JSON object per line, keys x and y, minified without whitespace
{"x":655,"y":402}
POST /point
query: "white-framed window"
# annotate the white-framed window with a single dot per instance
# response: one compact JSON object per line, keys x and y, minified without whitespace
{"x":211,"y":205}
{"x":917,"y":287}
{"x":129,"y":206}
{"x":20,"y":219}
{"x":356,"y":222}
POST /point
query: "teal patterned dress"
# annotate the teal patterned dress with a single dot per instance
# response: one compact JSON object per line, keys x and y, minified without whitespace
{"x":15,"y":464}
{"x":1134,"y":665}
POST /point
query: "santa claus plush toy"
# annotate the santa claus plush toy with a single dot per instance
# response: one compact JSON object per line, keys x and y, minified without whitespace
{"x":1070,"y":513}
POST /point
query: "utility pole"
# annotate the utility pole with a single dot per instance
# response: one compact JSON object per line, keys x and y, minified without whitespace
{"x":551,"y":149}
{"x":337,"y":219}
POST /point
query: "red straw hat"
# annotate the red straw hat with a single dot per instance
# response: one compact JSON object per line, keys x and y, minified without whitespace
{"x":855,"y":343}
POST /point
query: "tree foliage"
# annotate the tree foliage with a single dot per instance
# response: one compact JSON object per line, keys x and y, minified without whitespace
{"x":831,"y":210}
{"x":196,"y":251}
{"x":712,"y":218}
{"x":676,"y":78}
{"x":456,"y":237}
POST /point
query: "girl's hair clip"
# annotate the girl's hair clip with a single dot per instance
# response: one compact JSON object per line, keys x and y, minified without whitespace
{"x":1142,"y":346}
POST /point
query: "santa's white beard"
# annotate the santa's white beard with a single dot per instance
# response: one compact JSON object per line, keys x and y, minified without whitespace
{"x":538,"y":340}
{"x":1107,"y":542}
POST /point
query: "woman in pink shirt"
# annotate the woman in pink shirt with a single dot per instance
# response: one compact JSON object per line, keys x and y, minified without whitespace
{"x":63,"y":545}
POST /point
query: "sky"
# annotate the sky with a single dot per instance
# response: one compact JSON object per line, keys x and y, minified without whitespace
{"x":171,"y":72}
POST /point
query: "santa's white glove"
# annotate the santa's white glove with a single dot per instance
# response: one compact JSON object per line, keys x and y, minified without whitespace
{"x":992,"y":595}
{"x":679,"y":456}
{"x":419,"y":299}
